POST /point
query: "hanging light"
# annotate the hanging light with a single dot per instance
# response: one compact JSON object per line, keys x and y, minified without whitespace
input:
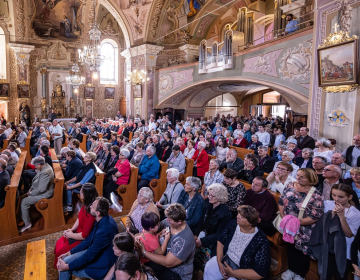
{"x":75,"y":79}
{"x":95,"y":75}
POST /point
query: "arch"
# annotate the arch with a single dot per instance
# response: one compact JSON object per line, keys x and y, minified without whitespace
{"x":3,"y":59}
{"x":109,"y":69}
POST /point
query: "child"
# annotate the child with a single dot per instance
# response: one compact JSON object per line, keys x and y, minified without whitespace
{"x":149,"y":237}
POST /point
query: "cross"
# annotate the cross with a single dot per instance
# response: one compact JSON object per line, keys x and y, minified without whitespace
{"x":335,"y":27}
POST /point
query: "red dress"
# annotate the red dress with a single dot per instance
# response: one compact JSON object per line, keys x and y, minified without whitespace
{"x":202,"y":162}
{"x":86,"y":223}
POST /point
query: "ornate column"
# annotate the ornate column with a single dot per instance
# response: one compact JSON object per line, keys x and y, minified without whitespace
{"x":191,"y":52}
{"x":22,"y":53}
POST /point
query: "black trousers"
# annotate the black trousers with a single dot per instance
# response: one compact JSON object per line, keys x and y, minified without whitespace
{"x":109,"y":187}
{"x":27,"y":176}
{"x":267,"y":227}
{"x":162,"y":272}
{"x":332,"y":269}
{"x":143,"y":183}
{"x":297,"y":261}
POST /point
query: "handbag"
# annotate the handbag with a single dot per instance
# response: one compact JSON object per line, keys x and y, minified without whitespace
{"x":278,"y":219}
{"x":132,"y":227}
{"x":229,"y":262}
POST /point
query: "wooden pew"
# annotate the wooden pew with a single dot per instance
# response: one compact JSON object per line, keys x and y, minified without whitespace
{"x":35,"y":263}
{"x":159,"y":185}
{"x":130,"y":135}
{"x":6,"y":141}
{"x":48,"y":135}
{"x":188,"y":170}
{"x":99,"y":181}
{"x":27,"y":146}
{"x":241,"y":151}
{"x":128,"y":192}
{"x":211,"y":157}
{"x":100,"y":135}
{"x":52,"y":208}
{"x":83,"y":142}
{"x":66,"y":139}
{"x":7,"y":213}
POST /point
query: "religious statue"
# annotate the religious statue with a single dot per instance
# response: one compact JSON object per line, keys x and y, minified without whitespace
{"x":72,"y":106}
{"x":58,"y":100}
{"x":43,"y":106}
{"x":24,"y":111}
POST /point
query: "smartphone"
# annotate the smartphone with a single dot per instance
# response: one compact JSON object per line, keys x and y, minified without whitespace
{"x":167,"y":229}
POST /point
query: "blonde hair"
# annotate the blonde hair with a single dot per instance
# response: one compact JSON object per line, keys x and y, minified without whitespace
{"x":220,"y":192}
{"x":355,"y":170}
{"x":310,"y":175}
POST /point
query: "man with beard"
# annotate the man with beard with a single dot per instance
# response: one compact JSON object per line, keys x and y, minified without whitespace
{"x":292,"y":24}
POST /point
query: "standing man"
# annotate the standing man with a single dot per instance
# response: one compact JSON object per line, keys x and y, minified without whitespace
{"x":305,"y":141}
{"x":352,"y":153}
{"x":56,"y":135}
{"x":52,"y":116}
{"x":292,"y":24}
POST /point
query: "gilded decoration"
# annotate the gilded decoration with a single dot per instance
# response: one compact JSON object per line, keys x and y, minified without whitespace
{"x":13,"y":109}
{"x":337,"y":38}
{"x":345,"y":88}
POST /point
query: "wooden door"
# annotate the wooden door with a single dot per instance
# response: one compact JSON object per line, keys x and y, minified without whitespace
{"x":122,"y":106}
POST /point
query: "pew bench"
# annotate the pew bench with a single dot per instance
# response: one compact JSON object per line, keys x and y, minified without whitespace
{"x":7,"y":140}
{"x":130,"y":135}
{"x":159,"y":185}
{"x":35,"y":262}
{"x":188,"y":170}
{"x":83,"y":142}
{"x":128,"y":192}
{"x":241,"y":152}
{"x":27,"y":146}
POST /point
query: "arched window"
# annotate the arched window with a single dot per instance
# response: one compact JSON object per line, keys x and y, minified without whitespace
{"x":109,"y":67}
{"x":2,"y":55}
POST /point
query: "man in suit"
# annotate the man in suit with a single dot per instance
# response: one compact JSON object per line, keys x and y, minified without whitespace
{"x":72,"y":165}
{"x":2,"y":137}
{"x":94,"y":256}
{"x":266,"y":162}
{"x":42,"y":187}
{"x":157,"y":145}
{"x":232,"y":161}
{"x":305,"y":141}
{"x":352,"y":153}
{"x":4,"y":181}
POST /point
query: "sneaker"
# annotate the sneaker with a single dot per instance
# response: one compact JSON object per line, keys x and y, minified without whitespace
{"x":67,"y":208}
{"x":298,"y":277}
{"x":288,"y":275}
{"x":24,"y":228}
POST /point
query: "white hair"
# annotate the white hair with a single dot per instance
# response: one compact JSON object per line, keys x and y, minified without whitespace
{"x":174,"y":173}
{"x":202,"y":144}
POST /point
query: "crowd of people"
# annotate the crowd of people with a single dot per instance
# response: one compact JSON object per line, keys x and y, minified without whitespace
{"x":211,"y":224}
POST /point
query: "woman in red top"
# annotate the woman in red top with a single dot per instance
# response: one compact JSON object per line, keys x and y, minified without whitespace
{"x":201,"y":160}
{"x":240,"y":141}
{"x":83,"y":225}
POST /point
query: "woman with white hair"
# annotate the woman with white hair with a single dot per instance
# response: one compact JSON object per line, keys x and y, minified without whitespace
{"x":240,"y":141}
{"x":288,"y":157}
{"x":143,"y":203}
{"x":173,"y":189}
{"x":121,"y":177}
{"x":213,"y":222}
{"x":323,"y":148}
{"x":201,"y":160}
{"x":237,"y":131}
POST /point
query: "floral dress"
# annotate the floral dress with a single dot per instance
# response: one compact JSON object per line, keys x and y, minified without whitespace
{"x":292,"y":200}
{"x":236,"y":196}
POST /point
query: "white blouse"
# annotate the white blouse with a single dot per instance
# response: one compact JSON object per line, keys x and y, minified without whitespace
{"x":189,"y":154}
{"x":279,"y":187}
{"x":221,"y":153}
{"x":352,"y":216}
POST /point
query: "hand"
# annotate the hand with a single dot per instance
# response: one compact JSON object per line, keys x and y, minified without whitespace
{"x":167,"y":235}
{"x":162,"y":233}
{"x":339,"y":210}
{"x":222,"y":270}
{"x":65,"y":255}
{"x":62,"y":266}
{"x":228,"y":270}
{"x":69,"y":234}
{"x":198,"y":243}
{"x":357,"y":270}
{"x":158,"y":205}
{"x":140,"y":245}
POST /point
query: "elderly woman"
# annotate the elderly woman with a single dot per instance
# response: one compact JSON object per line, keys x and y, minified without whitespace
{"x":266,"y":162}
{"x":138,"y":154}
{"x":240,"y":141}
{"x":279,"y":178}
{"x":190,"y":150}
{"x":305,"y":161}
{"x":287,"y":157}
{"x":113,"y":159}
{"x":243,"y":251}
{"x":86,"y":174}
{"x":236,"y":191}
{"x":237,"y":131}
{"x":192,"y":201}
{"x":292,"y":147}
{"x":354,"y":181}
{"x":143,"y":203}
{"x":121,"y":177}
{"x":201,"y":160}
{"x":42,"y":186}
{"x":221,"y":149}
{"x":251,"y":168}
{"x":211,"y":177}
{"x":323,"y":148}
{"x":177,"y":160}
{"x":290,"y":203}
{"x":173,"y":189}
{"x":78,"y":135}
{"x":83,"y":225}
{"x":254,"y":144}
{"x":103,"y":156}
{"x":215,"y":218}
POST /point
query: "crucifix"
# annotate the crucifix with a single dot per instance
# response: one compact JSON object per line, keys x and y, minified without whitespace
{"x":335,"y":27}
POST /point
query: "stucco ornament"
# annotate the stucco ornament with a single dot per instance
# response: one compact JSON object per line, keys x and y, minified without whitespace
{"x":166,"y":83}
{"x":263,"y":65}
{"x":338,"y":118}
{"x":295,"y":63}
{"x":345,"y":16}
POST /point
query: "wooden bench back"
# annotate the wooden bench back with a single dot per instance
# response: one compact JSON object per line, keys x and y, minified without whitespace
{"x":66,"y":139}
{"x":48,"y":135}
{"x":100,"y":135}
{"x":35,"y":263}
{"x":128,"y":192}
{"x":27,"y":146}
{"x":211,"y":157}
{"x":7,"y":213}
{"x":188,"y":170}
{"x":52,"y":208}
{"x":241,"y":152}
{"x":7,"y":140}
{"x":159,"y":185}
{"x":99,"y":181}
{"x":130,"y":135}
{"x":83,"y":142}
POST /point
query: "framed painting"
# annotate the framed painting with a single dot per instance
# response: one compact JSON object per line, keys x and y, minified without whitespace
{"x":109,"y":93}
{"x":338,"y":64}
{"x":23,"y":91}
{"x":4,"y":90}
{"x":89,"y":92}
{"x":137,"y":91}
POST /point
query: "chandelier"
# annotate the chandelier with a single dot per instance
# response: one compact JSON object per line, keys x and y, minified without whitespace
{"x":136,"y":77}
{"x":91,"y":54}
{"x":75,"y":79}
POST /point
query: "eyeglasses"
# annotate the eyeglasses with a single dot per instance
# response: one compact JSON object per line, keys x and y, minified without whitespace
{"x":282,"y":169}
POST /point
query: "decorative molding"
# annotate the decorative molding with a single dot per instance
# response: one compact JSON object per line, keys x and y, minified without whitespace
{"x":20,"y":17}
{"x":264,"y":64}
{"x":166,"y":83}
{"x":338,"y":118}
{"x":345,"y":15}
{"x":337,"y":38}
{"x":346,"y":88}
{"x":155,"y":20}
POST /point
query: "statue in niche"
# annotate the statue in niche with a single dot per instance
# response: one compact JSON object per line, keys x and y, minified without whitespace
{"x":43,"y":106}
{"x":24,"y":111}
{"x":72,"y":107}
{"x":345,"y":16}
{"x":58,"y":101}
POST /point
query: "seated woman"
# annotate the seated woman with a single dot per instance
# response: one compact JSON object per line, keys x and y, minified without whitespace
{"x":216,"y":217}
{"x":104,"y":156}
{"x":287,"y":157}
{"x":121,"y":177}
{"x":211,"y":177}
{"x":83,"y":225}
{"x":236,"y":191}
{"x":254,"y":143}
{"x":138,"y":154}
{"x":290,"y":203}
{"x":201,"y":160}
{"x":86,"y":174}
{"x":190,"y":150}
{"x":251,"y":168}
{"x":279,"y":178}
{"x":123,"y":243}
{"x":78,"y":135}
{"x":177,"y":160}
{"x":240,"y":141}
{"x":221,"y":149}
{"x":335,"y":246}
{"x":305,"y":161}
{"x":143,"y":203}
{"x":323,"y":149}
{"x":243,"y":251}
{"x":165,"y":151}
{"x":192,"y":201}
{"x":210,"y":149}
{"x":113,"y":159}
{"x":129,"y":267}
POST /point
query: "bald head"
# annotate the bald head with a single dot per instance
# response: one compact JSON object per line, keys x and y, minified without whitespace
{"x":337,"y":159}
{"x":2,"y":164}
{"x":4,"y":157}
{"x":332,"y":171}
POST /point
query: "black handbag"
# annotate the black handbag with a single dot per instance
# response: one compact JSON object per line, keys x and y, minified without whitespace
{"x":229,"y":262}
{"x":132,"y":228}
{"x":111,"y":172}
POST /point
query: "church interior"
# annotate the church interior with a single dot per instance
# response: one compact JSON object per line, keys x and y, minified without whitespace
{"x":98,"y":61}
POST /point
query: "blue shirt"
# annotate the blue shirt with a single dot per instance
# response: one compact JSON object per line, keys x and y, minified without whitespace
{"x":292,"y":26}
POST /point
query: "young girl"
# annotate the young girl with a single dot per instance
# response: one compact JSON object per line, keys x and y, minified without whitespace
{"x":149,"y":237}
